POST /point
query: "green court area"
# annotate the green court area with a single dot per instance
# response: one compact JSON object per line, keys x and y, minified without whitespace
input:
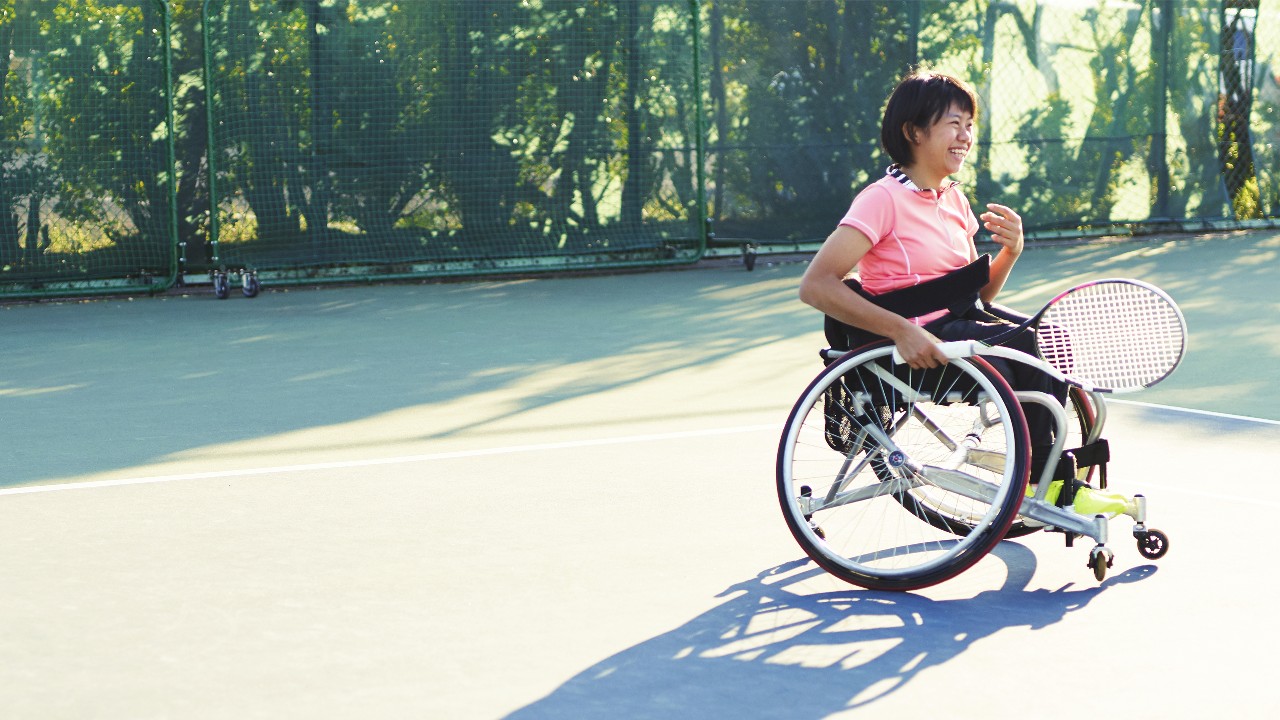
{"x":183,"y":382}
{"x":553,"y":497}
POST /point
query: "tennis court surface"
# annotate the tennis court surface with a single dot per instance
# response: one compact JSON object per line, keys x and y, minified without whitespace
{"x":554,"y":498}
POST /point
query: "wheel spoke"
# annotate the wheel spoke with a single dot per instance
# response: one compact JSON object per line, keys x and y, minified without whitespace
{"x":915,"y":473}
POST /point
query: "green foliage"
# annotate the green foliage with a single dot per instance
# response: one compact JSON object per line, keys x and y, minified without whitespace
{"x":84,"y":138}
{"x":1054,"y":186}
{"x":394,"y":132}
{"x":804,"y":84}
{"x":415,"y":129}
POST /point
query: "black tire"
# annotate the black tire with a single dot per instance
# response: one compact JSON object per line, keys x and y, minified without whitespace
{"x":251,"y":285}
{"x":221,"y":286}
{"x":1098,"y":564}
{"x":864,"y":490}
{"x":1153,"y":544}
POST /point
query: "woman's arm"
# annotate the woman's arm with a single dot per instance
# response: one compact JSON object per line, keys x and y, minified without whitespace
{"x":1006,"y":230}
{"x":823,"y":288}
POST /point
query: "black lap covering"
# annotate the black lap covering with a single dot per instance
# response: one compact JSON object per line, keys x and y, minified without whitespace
{"x":958,"y":289}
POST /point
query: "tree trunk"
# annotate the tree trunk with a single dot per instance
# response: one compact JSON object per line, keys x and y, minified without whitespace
{"x":632,"y":188}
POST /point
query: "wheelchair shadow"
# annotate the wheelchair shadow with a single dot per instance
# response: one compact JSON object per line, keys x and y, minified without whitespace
{"x":771,"y":652}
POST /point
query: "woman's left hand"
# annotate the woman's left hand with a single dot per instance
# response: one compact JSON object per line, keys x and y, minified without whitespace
{"x":1005,"y":227}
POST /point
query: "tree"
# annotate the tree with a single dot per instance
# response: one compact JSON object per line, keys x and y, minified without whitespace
{"x":801,"y":87}
{"x":88,"y":153}
{"x":1236,"y":67}
{"x":13,"y":118}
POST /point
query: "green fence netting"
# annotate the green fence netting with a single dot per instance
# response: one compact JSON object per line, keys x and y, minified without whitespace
{"x":435,"y":137}
{"x":391,"y":138}
{"x":85,"y":158}
{"x":1095,"y":116}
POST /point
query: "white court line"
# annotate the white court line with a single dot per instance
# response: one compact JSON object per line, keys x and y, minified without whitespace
{"x":372,"y":462}
{"x":1191,"y":411}
{"x":1254,"y":502}
{"x":405,"y":459}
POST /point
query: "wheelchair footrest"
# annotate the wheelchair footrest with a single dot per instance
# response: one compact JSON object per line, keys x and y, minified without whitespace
{"x":1087,"y":500}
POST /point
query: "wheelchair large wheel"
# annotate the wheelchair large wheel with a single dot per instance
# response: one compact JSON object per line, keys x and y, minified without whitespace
{"x":871,"y":444}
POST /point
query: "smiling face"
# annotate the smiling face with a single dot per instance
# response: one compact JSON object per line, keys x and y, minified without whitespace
{"x":940,"y":149}
{"x":918,"y":112}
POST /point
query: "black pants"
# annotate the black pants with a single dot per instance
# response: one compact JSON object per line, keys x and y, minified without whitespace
{"x":990,"y":321}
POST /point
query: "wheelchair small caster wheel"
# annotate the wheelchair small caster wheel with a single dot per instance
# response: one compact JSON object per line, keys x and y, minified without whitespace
{"x":251,"y":285}
{"x":1100,"y":559}
{"x":1153,"y":544}
{"x":221,"y":286}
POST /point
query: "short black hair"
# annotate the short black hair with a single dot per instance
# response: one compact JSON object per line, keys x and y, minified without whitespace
{"x":920,"y":99}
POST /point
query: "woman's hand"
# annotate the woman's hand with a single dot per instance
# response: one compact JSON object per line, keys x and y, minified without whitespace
{"x":918,"y":347}
{"x":1005,"y":227}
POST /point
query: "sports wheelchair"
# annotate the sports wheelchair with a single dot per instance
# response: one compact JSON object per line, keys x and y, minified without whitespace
{"x":894,"y":478}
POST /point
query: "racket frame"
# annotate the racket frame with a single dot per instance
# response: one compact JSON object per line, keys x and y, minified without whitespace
{"x":956,"y":349}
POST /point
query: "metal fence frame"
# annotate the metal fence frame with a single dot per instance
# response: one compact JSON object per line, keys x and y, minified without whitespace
{"x":701,"y":239}
{"x":147,"y":279}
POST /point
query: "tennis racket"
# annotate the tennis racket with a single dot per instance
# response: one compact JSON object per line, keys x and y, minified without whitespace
{"x":1113,"y":335}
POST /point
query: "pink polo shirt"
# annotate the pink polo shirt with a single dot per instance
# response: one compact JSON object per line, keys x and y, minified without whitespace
{"x":916,"y":235}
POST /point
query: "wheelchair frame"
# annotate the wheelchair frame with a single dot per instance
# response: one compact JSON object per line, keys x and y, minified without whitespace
{"x":967,"y":492}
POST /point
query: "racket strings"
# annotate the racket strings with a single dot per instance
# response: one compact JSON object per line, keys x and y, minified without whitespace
{"x":1117,"y":335}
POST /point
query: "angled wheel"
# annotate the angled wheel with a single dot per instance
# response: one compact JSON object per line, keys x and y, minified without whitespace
{"x":913,"y":476}
{"x":251,"y":285}
{"x":1153,"y":544}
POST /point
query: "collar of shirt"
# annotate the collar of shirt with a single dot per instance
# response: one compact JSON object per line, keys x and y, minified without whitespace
{"x":895,"y":171}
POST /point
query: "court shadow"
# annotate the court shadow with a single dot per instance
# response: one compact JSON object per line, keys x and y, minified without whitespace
{"x":121,"y":386}
{"x":773,"y":651}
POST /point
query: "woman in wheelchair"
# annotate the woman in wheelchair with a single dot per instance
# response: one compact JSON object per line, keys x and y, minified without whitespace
{"x":910,"y":237}
{"x":874,"y":435}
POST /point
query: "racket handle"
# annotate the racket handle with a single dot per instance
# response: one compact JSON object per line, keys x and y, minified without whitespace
{"x":954,"y":350}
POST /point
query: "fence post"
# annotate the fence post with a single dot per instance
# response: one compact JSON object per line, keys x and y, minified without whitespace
{"x":1162,"y":21}
{"x":211,"y":165}
{"x":913,"y":33}
{"x":171,"y":156}
{"x":699,"y":146}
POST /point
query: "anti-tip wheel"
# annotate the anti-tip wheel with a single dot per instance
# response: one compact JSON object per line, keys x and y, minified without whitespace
{"x":1153,"y":544}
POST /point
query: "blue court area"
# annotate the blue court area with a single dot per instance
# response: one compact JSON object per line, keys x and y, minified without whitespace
{"x":555,"y":498}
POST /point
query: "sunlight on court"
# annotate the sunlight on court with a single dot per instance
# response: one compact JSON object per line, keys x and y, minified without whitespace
{"x":375,"y":507}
